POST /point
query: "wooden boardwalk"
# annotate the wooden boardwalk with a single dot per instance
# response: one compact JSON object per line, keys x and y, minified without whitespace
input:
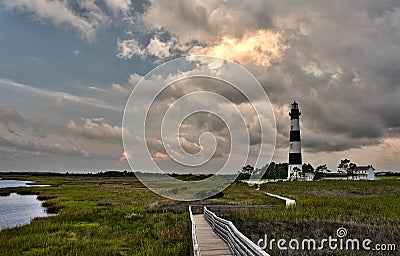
{"x":210,"y":244}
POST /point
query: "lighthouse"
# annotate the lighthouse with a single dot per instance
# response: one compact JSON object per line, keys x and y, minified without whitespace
{"x":295,"y":162}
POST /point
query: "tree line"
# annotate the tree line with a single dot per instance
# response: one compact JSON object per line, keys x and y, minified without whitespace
{"x":280,"y":171}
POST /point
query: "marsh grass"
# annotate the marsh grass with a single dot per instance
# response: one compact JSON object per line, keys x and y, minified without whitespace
{"x":107,"y":217}
{"x":367,"y":209}
{"x":119,"y":216}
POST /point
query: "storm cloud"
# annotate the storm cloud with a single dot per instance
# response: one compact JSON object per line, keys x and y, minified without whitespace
{"x":339,"y":59}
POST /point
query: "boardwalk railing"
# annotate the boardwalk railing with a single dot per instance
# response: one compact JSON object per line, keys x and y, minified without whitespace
{"x":238,"y":243}
{"x":289,"y":202}
{"x":196,"y":248}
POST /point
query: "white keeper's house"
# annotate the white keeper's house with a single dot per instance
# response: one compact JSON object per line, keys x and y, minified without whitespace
{"x":363,"y":173}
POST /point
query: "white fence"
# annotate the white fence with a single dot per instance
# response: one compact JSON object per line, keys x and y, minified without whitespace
{"x":195,"y":244}
{"x":289,"y":202}
{"x":238,"y":243}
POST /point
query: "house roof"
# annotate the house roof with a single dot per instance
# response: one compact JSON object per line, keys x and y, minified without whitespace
{"x":365,"y":168}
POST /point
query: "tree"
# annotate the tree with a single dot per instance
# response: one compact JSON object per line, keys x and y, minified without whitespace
{"x":295,"y":171}
{"x":275,"y":171}
{"x":320,"y":171}
{"x":351,"y":169}
{"x":343,"y":166}
{"x":346,"y":166}
{"x":246,"y":172}
{"x":308,"y":168}
{"x":271,"y":171}
{"x":282,"y":170}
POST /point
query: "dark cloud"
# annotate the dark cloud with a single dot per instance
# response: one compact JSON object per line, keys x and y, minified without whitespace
{"x":323,"y":142}
{"x":339,"y":59}
{"x":198,"y":123}
{"x":209,"y":19}
{"x":342,"y":66}
{"x":36,"y":147}
{"x":23,"y":140}
{"x":8,"y":115}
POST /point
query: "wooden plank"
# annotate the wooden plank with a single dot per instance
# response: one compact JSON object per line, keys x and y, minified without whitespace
{"x":210,"y":244}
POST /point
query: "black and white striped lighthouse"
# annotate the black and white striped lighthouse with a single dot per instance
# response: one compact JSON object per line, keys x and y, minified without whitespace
{"x":295,"y":162}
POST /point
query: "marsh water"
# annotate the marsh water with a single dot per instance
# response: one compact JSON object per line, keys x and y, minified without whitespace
{"x":17,"y":210}
{"x":14,"y":183}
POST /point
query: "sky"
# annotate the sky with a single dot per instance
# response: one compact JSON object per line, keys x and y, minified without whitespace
{"x":68,"y":67}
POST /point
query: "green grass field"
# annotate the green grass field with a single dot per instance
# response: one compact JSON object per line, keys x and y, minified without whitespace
{"x":118,"y":216}
{"x":98,"y":218}
{"x":108,"y":216}
{"x":368,"y":209}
